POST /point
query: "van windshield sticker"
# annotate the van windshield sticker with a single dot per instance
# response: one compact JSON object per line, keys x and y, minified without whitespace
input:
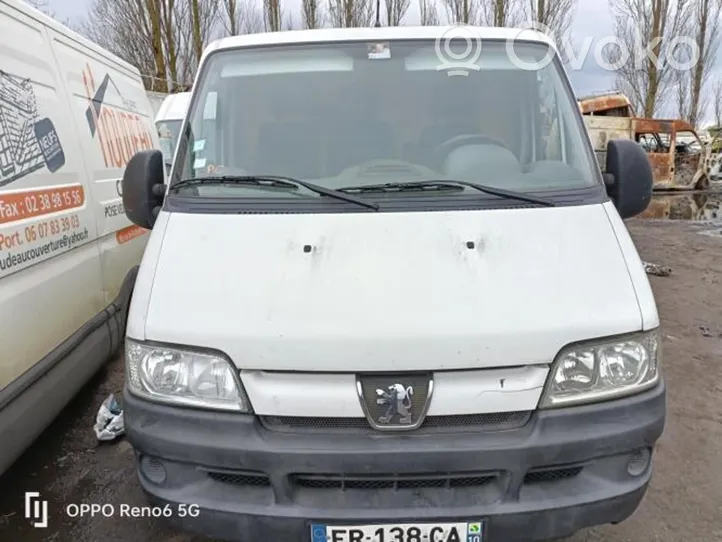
{"x":379,"y":51}
{"x":200,"y":163}
{"x":199,"y":145}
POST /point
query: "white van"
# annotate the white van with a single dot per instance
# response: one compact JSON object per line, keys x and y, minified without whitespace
{"x":71,"y":116}
{"x":156,"y":100}
{"x":385,"y":301}
{"x":168,"y":122}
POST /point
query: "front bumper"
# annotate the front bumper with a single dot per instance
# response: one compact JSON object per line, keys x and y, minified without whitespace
{"x":564,"y":470}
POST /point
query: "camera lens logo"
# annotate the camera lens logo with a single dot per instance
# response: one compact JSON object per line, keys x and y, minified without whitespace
{"x":458,"y":49}
{"x":36,"y":510}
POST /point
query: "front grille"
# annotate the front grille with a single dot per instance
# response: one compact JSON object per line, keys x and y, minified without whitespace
{"x":552,"y":474}
{"x":393,"y":482}
{"x":240,"y":478}
{"x":497,"y":421}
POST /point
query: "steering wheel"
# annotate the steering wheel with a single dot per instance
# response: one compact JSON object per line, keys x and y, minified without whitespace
{"x":444,"y":149}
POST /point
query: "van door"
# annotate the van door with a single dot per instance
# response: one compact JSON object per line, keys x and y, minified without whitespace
{"x":114,"y":120}
{"x":50,"y":276}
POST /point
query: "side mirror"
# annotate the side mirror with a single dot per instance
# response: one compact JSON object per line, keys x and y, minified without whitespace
{"x":629,"y":178}
{"x":143,"y":188}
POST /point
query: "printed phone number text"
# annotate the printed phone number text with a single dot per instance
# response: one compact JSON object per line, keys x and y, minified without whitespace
{"x":52,"y":201}
{"x":39,"y":231}
{"x":17,"y":206}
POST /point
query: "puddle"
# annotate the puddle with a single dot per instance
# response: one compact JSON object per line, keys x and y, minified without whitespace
{"x":692,"y":206}
{"x":716,"y":232}
{"x":703,"y":209}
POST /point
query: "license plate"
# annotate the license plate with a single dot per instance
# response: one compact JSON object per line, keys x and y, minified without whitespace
{"x":407,"y":532}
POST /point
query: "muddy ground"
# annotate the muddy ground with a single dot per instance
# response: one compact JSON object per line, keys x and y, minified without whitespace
{"x":68,"y":466}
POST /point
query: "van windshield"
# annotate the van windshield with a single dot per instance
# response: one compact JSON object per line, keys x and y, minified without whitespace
{"x":352,"y":114}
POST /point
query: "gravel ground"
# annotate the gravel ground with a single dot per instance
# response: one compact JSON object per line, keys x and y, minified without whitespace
{"x":67,"y":465}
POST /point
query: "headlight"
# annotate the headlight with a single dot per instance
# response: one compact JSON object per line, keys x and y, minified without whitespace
{"x":604,"y":369}
{"x":183,"y":377}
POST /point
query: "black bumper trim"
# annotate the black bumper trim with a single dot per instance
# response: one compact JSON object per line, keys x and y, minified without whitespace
{"x":600,"y":436}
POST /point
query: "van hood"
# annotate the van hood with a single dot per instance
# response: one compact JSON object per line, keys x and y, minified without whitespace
{"x":391,"y":291}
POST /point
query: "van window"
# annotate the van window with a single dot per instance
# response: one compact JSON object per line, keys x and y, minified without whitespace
{"x":168,"y":132}
{"x":345,"y":114}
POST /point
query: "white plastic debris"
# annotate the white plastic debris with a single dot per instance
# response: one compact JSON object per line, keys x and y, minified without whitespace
{"x":109,"y":421}
{"x":657,"y":270}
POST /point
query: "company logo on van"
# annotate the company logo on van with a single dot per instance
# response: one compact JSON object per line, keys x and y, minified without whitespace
{"x":394,"y":402}
{"x":114,"y":121}
{"x":27,"y":142}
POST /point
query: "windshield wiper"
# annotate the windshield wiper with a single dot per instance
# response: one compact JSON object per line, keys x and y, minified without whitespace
{"x":274,"y":181}
{"x":445,"y":185}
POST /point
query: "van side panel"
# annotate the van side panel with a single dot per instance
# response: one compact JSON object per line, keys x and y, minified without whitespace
{"x":114,"y":120}
{"x":69,"y":121}
{"x":56,"y":331}
{"x":50,"y":275}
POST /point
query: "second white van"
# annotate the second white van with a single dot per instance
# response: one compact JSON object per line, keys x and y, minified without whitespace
{"x":168,"y":122}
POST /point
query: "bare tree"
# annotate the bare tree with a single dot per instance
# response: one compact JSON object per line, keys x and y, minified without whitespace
{"x":646,"y":27}
{"x":427,"y":12}
{"x":182,"y":29}
{"x":272,"y":14}
{"x":154,"y":26}
{"x":395,"y":11}
{"x":160,"y":37}
{"x":684,"y":101}
{"x":230,"y":22}
{"x":123,"y":28}
{"x":196,"y":22}
{"x":556,"y":15}
{"x":705,"y":32}
{"x":194,"y":31}
{"x":501,"y":12}
{"x":242,"y":17}
{"x":311,"y":14}
{"x":717,"y":102}
{"x":251,"y":19}
{"x":168,"y":23}
{"x":351,"y":13}
{"x":462,"y":11}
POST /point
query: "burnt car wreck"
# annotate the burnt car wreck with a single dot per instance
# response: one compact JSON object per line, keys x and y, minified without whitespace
{"x":680,"y":159}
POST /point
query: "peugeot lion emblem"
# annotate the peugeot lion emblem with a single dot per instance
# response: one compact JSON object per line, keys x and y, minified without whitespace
{"x":397,"y":400}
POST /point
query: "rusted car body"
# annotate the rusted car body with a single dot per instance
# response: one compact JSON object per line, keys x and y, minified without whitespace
{"x":680,"y":160}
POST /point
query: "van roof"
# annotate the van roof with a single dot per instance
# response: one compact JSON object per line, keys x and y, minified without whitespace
{"x":71,"y":35}
{"x":376,"y":34}
{"x":174,"y":107}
